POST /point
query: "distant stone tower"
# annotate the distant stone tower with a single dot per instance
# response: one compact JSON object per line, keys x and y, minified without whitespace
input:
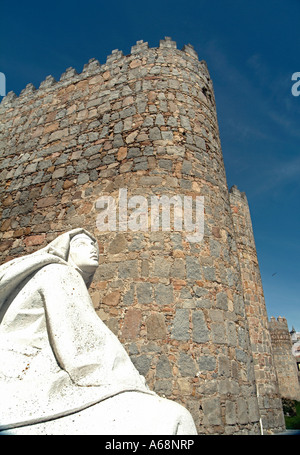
{"x":265,"y":373}
{"x":284,"y":359}
{"x":145,"y":123}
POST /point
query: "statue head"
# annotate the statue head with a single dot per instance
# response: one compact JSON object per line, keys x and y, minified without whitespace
{"x":84,"y":253}
{"x":77,"y":248}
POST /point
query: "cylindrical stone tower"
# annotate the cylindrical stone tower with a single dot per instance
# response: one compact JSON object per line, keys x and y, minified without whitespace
{"x":284,"y":360}
{"x":141,"y":125}
{"x":269,"y":398}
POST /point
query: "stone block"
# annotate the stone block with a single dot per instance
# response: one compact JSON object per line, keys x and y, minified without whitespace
{"x":231,"y":333}
{"x":163,"y":294}
{"x":230,"y":413}
{"x":144,"y":292}
{"x":161,"y":267}
{"x":200,"y":333}
{"x":112,"y":299}
{"x":134,"y":152}
{"x":185,"y":386}
{"x":93,"y":164}
{"x":254,"y":411}
{"x":58,"y":173}
{"x":215,"y":248}
{"x":142,"y":363}
{"x":187,"y":366}
{"x":128,"y":269}
{"x":156,"y":327}
{"x":223,"y":366}
{"x":83,"y":178}
{"x":242,"y":411}
{"x":31,"y":168}
{"x":128,"y":297}
{"x":128,"y":112}
{"x":209,"y":273}
{"x":186,"y":167}
{"x":163,"y":367}
{"x":47,"y":202}
{"x":106,"y":272}
{"x":145,"y":268}
{"x":122,"y":153}
{"x":218,"y":333}
{"x":165,"y":164}
{"x":132,"y":324}
{"x":176,"y":150}
{"x":64,"y":157}
{"x":212,"y":411}
{"x":118,"y":244}
{"x":141,"y":166}
{"x":154,"y":134}
{"x":113,"y":325}
{"x":178,"y":268}
{"x":207,"y":363}
{"x":163,"y":387}
{"x":193,"y":270}
{"x":136,"y":244}
{"x":159,"y":121}
{"x":35,"y":240}
{"x":222,"y":301}
{"x":181,"y":325}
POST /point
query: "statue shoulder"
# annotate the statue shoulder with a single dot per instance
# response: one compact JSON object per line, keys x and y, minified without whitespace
{"x":56,"y":272}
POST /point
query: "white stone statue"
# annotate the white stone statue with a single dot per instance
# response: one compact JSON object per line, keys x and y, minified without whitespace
{"x":62,"y":371}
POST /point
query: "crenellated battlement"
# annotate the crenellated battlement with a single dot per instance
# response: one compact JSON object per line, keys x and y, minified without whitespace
{"x":94,"y":67}
{"x":235,"y":192}
{"x":279,"y":323}
{"x":279,"y":331}
{"x":90,"y":114}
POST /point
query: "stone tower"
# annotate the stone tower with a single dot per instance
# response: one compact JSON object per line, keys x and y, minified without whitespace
{"x":284,"y":359}
{"x":265,"y":373}
{"x":140,"y":126}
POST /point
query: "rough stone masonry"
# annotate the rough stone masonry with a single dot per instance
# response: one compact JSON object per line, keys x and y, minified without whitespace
{"x":147,"y":122}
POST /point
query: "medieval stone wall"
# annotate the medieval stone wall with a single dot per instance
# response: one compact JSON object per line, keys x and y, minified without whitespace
{"x":269,"y":398}
{"x":145,"y":122}
{"x":285,"y":362}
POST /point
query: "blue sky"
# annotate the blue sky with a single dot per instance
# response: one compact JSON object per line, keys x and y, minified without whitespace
{"x":252,"y":48}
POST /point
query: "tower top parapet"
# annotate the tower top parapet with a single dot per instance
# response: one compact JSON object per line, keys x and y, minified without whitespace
{"x":94,"y":67}
{"x":236,"y":192}
{"x":279,"y":323}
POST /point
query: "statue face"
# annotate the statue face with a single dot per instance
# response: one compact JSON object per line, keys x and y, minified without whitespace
{"x":84,"y":253}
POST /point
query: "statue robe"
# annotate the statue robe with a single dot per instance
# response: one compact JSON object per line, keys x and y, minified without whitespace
{"x":62,"y":371}
{"x":56,"y":355}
